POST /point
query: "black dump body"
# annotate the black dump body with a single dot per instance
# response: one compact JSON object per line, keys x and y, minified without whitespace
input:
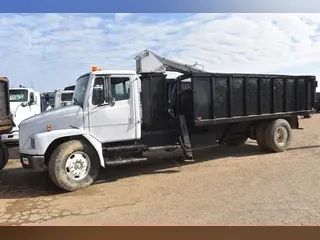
{"x":224,"y":98}
{"x":6,"y":123}
{"x":221,"y":98}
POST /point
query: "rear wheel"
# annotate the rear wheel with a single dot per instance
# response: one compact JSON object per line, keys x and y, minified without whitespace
{"x":236,"y":140}
{"x":278,"y":135}
{"x":4,"y":155}
{"x":307,"y":115}
{"x":73,"y":165}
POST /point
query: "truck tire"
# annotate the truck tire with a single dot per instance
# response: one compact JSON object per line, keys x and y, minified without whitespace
{"x":4,"y":155}
{"x":278,"y":135}
{"x":307,"y":115}
{"x":73,"y":165}
{"x":260,"y":133}
{"x":236,"y":141}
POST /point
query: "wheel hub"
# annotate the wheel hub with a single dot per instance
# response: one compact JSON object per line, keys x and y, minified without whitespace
{"x":282,"y":136}
{"x":77,"y":166}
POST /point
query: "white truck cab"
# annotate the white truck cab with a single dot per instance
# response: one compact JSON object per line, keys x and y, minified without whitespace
{"x":106,"y":108}
{"x":103,"y":125}
{"x":24,"y":103}
{"x":63,"y":98}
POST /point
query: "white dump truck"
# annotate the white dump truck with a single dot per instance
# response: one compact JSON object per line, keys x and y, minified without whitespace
{"x":114,"y":121}
{"x":24,"y":103}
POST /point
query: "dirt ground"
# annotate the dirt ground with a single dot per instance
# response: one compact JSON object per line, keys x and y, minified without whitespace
{"x":226,"y":186}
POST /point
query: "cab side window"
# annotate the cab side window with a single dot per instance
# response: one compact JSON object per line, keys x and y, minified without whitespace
{"x":98,"y":90}
{"x":120,"y":88}
{"x":32,"y":97}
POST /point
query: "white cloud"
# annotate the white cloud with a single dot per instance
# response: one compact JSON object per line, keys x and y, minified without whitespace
{"x":54,"y":49}
{"x":121,"y":16}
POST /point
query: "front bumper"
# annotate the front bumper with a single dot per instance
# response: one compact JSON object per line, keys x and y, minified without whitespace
{"x":10,"y":138}
{"x":32,"y":162}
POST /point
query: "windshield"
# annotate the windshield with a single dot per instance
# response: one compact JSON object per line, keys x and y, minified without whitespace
{"x":66,"y":96}
{"x":80,"y":90}
{"x":18,"y":95}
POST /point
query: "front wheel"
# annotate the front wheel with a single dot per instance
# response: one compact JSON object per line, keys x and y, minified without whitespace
{"x":4,"y":155}
{"x":73,"y":165}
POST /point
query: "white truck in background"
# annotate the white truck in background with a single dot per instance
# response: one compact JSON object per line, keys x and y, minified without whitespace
{"x":24,"y":103}
{"x":63,"y":98}
{"x":58,"y":98}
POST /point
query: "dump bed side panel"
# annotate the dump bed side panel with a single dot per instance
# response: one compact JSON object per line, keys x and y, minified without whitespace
{"x":5,"y":119}
{"x":236,"y":97}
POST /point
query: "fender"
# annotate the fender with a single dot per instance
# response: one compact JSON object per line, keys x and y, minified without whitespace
{"x":43,"y":140}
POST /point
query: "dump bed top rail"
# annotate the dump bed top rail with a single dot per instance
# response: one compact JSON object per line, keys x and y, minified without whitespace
{"x":150,"y":62}
{"x":4,"y":79}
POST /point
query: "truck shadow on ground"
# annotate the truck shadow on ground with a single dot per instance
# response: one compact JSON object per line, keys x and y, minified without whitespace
{"x":163,"y":163}
{"x":17,"y":183}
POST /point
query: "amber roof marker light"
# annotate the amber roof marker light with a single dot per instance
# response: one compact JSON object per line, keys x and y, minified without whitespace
{"x":95,"y":68}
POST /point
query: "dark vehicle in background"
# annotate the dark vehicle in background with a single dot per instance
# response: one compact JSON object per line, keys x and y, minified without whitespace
{"x":317,"y":103}
{"x":6,"y":123}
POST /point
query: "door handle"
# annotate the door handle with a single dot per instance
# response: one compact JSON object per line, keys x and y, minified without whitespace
{"x":130,"y":119}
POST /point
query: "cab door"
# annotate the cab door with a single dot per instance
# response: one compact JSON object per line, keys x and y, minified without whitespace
{"x":34,"y":103}
{"x":117,"y":121}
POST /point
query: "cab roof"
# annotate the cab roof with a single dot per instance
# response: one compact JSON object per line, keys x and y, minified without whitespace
{"x":115,"y":72}
{"x":97,"y":71}
{"x":20,"y":88}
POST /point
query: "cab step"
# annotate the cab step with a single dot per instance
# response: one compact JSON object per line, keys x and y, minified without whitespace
{"x":121,"y":161}
{"x":124,"y":148}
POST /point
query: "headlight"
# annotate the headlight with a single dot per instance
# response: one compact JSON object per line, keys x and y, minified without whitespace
{"x":32,"y":143}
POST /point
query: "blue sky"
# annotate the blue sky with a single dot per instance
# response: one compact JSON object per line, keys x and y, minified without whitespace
{"x":51,"y":50}
{"x":160,"y":6}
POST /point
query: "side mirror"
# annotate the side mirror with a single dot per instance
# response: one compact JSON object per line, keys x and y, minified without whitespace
{"x":32,"y":99}
{"x":98,"y":95}
{"x":47,"y":98}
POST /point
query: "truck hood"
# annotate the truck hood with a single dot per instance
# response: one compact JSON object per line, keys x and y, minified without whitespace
{"x":14,"y":106}
{"x":19,"y":113}
{"x":61,"y":118}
